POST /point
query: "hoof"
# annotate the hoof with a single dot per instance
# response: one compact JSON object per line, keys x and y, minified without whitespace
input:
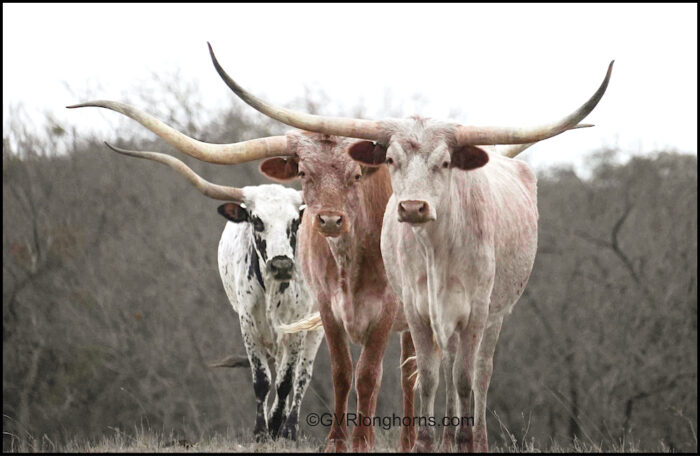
{"x":261,"y":436}
{"x":335,"y":446}
{"x":289,"y":432}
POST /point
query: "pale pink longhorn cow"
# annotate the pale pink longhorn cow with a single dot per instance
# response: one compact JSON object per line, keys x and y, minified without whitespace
{"x":458,"y":242}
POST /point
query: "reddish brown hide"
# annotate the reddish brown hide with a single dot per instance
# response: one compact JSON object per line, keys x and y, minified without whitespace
{"x":340,"y":256}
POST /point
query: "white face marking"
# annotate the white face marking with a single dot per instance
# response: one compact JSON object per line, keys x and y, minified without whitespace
{"x":419,"y":173}
{"x":274,"y":213}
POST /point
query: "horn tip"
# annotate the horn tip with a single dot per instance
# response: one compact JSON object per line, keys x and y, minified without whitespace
{"x":87,"y":104}
{"x":610,"y":67}
{"x":115,"y":148}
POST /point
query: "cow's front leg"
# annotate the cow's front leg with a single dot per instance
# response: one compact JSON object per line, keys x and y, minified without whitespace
{"x":451,"y":405}
{"x":341,"y":371}
{"x":260,"y":372}
{"x":304,"y":369}
{"x":428,"y":363}
{"x":369,"y":375}
{"x":290,"y":348}
{"x":470,"y":338}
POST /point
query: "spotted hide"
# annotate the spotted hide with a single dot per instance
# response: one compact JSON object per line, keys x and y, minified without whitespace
{"x":262,"y":280}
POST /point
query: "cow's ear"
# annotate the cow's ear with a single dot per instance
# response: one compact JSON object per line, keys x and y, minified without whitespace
{"x":468,"y":157}
{"x":280,"y":169}
{"x":233,"y":212}
{"x":368,"y":153}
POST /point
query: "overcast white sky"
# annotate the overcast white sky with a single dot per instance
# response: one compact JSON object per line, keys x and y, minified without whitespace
{"x":495,"y":64}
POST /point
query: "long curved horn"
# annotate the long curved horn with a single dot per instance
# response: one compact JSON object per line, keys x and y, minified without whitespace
{"x":513,"y":150}
{"x":500,"y":135}
{"x":214,"y":191}
{"x":225,"y":154}
{"x":339,"y":126}
{"x":367,"y":129}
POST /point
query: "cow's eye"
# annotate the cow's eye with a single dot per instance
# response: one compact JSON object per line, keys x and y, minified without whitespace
{"x":357,"y":177}
{"x":258,"y":225}
{"x":389,"y":160}
{"x":301,"y":174}
{"x":445,"y":164}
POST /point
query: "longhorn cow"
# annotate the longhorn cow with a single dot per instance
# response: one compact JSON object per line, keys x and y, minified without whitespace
{"x":256,"y":256}
{"x":458,"y":241}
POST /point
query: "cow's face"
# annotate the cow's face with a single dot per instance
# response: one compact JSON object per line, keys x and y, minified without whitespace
{"x":421,"y":156}
{"x":330,"y":179}
{"x":273,"y":214}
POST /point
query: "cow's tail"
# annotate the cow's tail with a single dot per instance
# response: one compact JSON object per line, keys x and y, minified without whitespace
{"x":231,"y":361}
{"x":309,"y":323}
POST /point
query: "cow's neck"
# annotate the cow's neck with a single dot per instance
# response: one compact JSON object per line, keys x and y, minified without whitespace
{"x":344,"y":250}
{"x":441,"y":244}
{"x":278,"y":295}
{"x":360,"y":244}
{"x":281,"y":299}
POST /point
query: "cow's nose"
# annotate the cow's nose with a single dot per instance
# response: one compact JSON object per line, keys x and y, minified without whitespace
{"x":330,"y":223}
{"x":412,"y":211}
{"x":281,"y":267}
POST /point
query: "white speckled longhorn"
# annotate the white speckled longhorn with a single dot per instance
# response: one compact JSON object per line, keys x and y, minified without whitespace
{"x":458,"y":242}
{"x":258,"y":267}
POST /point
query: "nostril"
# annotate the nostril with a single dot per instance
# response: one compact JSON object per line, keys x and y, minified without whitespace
{"x":339,"y":221}
{"x":421,"y":209}
{"x":321,"y":220}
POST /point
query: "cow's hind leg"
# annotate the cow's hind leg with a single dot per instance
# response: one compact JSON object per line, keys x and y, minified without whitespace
{"x":304,"y":369}
{"x":482,"y":379}
{"x":409,"y":373}
{"x":290,"y":349}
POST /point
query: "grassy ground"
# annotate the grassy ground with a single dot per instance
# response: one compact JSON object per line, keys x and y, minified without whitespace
{"x":142,"y":440}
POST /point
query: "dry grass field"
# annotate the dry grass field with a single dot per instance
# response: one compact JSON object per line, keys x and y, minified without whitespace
{"x":140,"y":440}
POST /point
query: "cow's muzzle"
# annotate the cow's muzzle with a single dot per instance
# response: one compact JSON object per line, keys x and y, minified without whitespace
{"x":330,"y":223}
{"x":281,"y":268}
{"x":414,"y":212}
